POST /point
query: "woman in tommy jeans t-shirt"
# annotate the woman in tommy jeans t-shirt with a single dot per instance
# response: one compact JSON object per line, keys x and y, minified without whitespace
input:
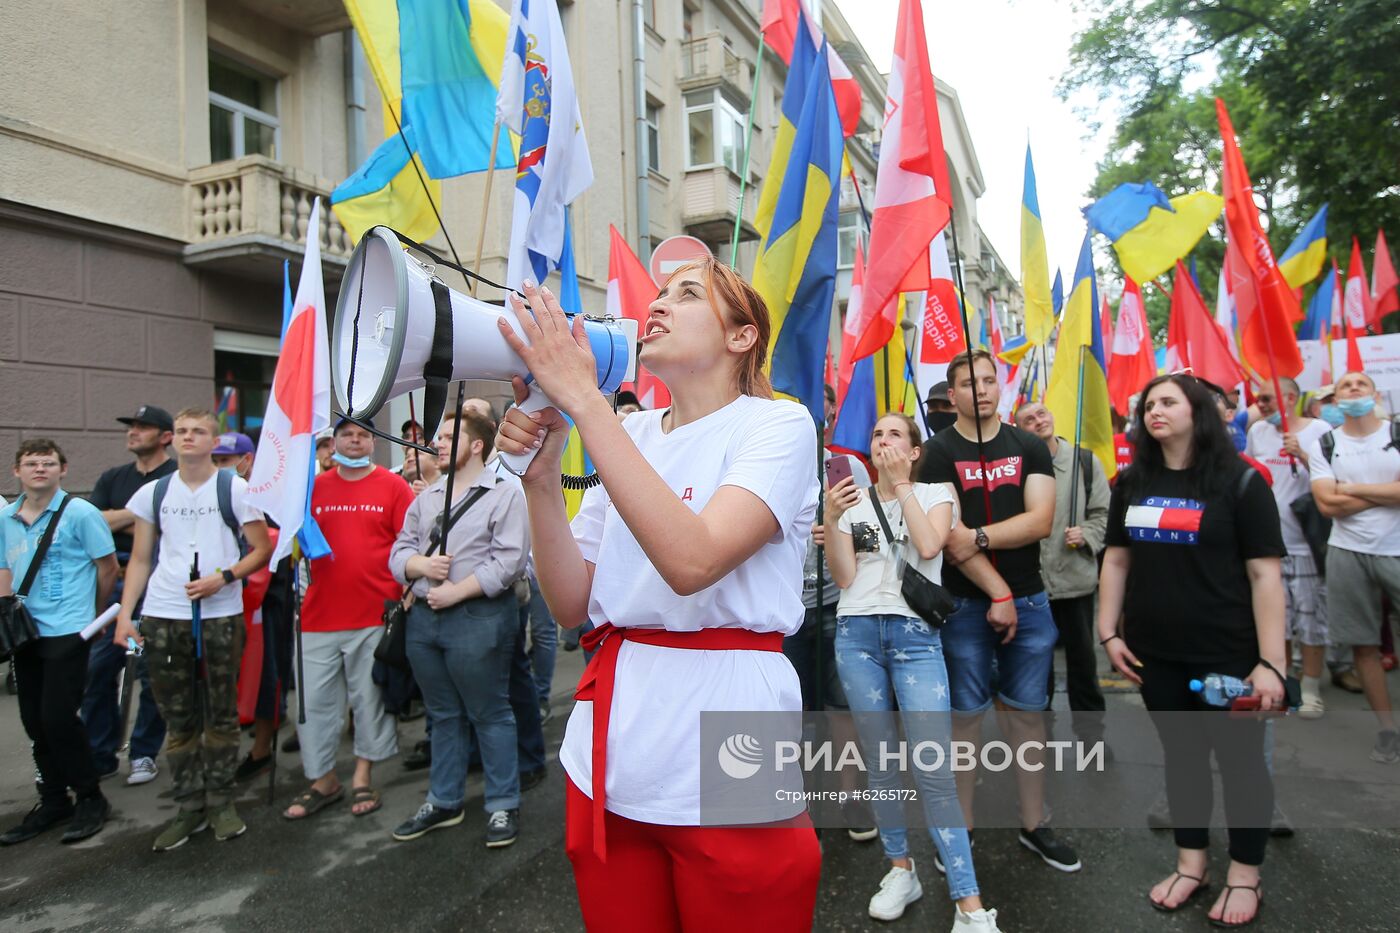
{"x":688,"y":558}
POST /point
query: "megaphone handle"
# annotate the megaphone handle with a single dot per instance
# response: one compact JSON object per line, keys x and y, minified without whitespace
{"x":519,"y":463}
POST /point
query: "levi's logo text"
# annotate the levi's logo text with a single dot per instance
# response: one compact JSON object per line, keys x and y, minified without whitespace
{"x":1004,"y":472}
{"x":1164,"y":520}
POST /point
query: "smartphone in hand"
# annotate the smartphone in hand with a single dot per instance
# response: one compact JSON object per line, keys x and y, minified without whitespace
{"x":837,"y":469}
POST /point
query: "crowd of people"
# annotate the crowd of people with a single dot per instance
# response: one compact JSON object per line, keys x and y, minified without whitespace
{"x":697,"y":564}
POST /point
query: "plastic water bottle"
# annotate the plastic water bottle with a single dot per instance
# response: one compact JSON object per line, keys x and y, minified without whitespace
{"x":1221,"y":690}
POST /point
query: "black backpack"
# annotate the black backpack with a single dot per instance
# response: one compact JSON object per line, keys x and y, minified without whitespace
{"x":1317,"y":528}
{"x":224,"y":490}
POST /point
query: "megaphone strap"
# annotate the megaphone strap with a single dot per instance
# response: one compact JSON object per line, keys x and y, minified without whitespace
{"x":439,"y":260}
{"x":437,"y":372}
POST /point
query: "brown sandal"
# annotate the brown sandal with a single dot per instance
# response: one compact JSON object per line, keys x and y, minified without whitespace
{"x":1231,"y":889}
{"x":359,"y":795}
{"x":313,"y":801}
{"x":1201,"y":885}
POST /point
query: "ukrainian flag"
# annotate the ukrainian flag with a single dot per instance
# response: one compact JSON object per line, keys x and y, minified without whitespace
{"x":796,"y":268}
{"x":1035,"y":268}
{"x":437,"y":66}
{"x":1078,"y":392}
{"x":1302,"y":261}
{"x":1149,"y":232}
{"x":892,"y":371}
{"x":855,"y":422}
{"x":1318,"y":324}
{"x":794,"y":93}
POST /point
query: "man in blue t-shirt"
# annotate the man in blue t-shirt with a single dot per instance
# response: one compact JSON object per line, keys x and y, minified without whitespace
{"x":69,"y":588}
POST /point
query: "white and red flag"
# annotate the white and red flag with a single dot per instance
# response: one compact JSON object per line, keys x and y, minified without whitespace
{"x":779,"y":28}
{"x":1384,"y":297}
{"x":913,"y":197}
{"x":630,"y":294}
{"x":298,"y":406}
{"x":1355,"y":307}
{"x":1132,"y":362}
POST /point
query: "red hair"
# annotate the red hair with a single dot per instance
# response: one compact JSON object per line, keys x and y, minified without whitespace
{"x":727,"y":290}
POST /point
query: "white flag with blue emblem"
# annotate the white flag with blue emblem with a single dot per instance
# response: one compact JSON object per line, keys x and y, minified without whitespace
{"x":554,"y":168}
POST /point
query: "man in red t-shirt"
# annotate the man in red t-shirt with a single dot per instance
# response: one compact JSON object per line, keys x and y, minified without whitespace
{"x":360,"y":508}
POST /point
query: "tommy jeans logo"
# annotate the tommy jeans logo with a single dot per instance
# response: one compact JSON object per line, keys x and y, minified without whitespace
{"x":1164,"y":520}
{"x":1004,"y":472}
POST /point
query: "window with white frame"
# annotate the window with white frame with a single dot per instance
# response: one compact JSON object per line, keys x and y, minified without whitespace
{"x":847,"y":234}
{"x":242,"y":111}
{"x":715,"y":131}
{"x":653,"y":137}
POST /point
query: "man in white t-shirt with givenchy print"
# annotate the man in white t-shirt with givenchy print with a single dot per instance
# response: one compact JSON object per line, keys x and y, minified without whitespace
{"x":1305,"y":595}
{"x":188,"y":556}
{"x":1358,"y":487}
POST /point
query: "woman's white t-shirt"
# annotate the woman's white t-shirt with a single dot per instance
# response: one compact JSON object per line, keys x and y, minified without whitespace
{"x":191,"y":524}
{"x":875,"y":588}
{"x":768,"y":447}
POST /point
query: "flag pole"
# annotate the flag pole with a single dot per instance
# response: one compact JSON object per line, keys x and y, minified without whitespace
{"x":967,"y":339}
{"x":1078,"y":437}
{"x":748,"y":148}
{"x":485,"y":209}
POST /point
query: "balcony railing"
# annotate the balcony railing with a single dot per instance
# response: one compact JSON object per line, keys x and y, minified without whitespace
{"x":710,"y":198}
{"x":255,"y":204}
{"x":707,"y":60}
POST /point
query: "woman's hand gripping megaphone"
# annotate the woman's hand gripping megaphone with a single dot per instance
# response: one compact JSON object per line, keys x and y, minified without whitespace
{"x":561,"y":361}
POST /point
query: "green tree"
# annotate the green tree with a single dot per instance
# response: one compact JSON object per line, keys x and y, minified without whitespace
{"x":1313,"y":89}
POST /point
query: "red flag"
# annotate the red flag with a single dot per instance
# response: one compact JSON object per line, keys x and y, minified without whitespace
{"x":1354,"y":307}
{"x":1265,"y":306}
{"x":1106,"y":322}
{"x":1195,"y":340}
{"x":1132,"y":363}
{"x":854,"y":303}
{"x":630,"y":294}
{"x":913,"y":197}
{"x":1384,"y":298}
{"x":779,"y":28}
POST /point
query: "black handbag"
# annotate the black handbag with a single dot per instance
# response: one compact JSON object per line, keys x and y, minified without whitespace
{"x":928,"y":599}
{"x":393,"y":643}
{"x":1317,"y":528}
{"x":18,"y":629}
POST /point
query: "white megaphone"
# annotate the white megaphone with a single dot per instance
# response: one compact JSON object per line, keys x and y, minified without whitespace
{"x":398,"y":327}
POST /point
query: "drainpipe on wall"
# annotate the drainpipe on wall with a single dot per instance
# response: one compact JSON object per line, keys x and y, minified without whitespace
{"x":639,"y":117}
{"x":354,"y":102}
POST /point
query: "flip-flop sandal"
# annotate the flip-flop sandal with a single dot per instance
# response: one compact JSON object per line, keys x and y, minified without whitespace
{"x":1201,"y":885}
{"x":361,"y":795}
{"x":312,"y":801}
{"x":1258,"y":906}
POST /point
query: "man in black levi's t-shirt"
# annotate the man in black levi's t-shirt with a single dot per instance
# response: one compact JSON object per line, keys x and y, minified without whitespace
{"x":1015,"y":636}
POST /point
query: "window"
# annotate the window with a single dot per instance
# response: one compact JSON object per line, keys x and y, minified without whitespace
{"x":649,"y":13}
{"x":687,"y":24}
{"x":847,"y":233}
{"x":716,"y":132}
{"x":653,"y":137}
{"x":242,"y":111}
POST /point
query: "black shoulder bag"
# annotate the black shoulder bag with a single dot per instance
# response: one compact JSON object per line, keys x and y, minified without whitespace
{"x":928,"y":599}
{"x":18,"y":630}
{"x":393,"y":643}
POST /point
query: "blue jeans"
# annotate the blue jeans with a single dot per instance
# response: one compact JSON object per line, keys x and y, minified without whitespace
{"x":461,"y":659}
{"x":1022,"y":666}
{"x":886,"y":659}
{"x":101,"y":713}
{"x":524,"y":703}
{"x":544,"y":641}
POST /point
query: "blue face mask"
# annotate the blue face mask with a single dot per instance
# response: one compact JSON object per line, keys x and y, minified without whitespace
{"x":351,"y":463}
{"x":1275,"y":419}
{"x":1357,"y":407}
{"x":1333,"y":415}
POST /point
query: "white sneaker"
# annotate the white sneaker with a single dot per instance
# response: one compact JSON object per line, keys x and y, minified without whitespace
{"x":898,"y":889}
{"x":979,"y":921}
{"x":1312,"y":707}
{"x":143,"y":771}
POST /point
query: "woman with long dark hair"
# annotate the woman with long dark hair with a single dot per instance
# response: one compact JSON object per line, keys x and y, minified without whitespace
{"x":688,"y":559}
{"x":1193,"y":569}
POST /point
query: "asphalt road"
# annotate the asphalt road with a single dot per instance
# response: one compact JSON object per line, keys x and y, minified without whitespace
{"x":338,"y":872}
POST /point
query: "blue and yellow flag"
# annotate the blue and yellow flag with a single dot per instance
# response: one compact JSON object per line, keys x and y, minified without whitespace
{"x":437,"y":66}
{"x":1318,"y":324}
{"x":1078,"y":392}
{"x":1302,"y":261}
{"x":1149,"y":231}
{"x":796,"y":268}
{"x":794,"y":92}
{"x":1035,"y":268}
{"x":1057,"y":294}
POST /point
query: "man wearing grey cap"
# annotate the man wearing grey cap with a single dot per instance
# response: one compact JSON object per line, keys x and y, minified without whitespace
{"x":148,"y":434}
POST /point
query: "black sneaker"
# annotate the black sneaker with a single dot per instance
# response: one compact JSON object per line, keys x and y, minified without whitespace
{"x":1052,"y":851}
{"x":502,"y":826}
{"x":427,"y":819}
{"x":421,"y":757}
{"x":529,"y":780}
{"x":251,"y":767}
{"x":41,"y":818}
{"x":860,"y":822}
{"x":88,"y":818}
{"x":291,"y":743}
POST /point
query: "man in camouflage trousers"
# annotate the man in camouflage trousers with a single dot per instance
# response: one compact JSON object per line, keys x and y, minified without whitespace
{"x":195,"y":540}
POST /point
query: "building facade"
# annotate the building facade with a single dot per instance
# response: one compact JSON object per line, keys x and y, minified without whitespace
{"x":151,"y":194}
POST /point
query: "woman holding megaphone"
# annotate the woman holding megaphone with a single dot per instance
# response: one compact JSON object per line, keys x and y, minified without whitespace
{"x":688,"y":559}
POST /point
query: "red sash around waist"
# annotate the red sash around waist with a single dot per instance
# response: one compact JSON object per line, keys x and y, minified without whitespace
{"x":598,"y":679}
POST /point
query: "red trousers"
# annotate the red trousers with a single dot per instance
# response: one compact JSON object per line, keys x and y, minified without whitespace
{"x":659,"y":879}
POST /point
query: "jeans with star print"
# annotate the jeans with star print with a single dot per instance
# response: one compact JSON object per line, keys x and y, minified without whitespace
{"x":887,"y":661}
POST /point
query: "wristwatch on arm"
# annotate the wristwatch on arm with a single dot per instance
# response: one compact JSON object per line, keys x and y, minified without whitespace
{"x":981,"y":535}
{"x":228,"y":577}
